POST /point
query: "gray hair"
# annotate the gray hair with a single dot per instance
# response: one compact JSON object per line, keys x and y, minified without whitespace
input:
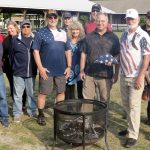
{"x":102,"y":14}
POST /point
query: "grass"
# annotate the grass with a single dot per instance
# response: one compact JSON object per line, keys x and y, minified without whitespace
{"x":28,"y":135}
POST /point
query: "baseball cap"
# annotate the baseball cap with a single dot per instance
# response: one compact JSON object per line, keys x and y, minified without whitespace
{"x":25,"y":22}
{"x":51,"y":12}
{"x":148,"y":14}
{"x":67,"y":15}
{"x":96,"y":7}
{"x":132,"y":13}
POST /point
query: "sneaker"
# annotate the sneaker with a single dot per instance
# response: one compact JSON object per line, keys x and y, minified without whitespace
{"x":5,"y":123}
{"x":41,"y":120}
{"x":123,"y":133}
{"x":16,"y":119}
{"x":33,"y":115}
{"x":130,"y":142}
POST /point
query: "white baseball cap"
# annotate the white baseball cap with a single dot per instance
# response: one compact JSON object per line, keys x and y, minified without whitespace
{"x":132,"y":13}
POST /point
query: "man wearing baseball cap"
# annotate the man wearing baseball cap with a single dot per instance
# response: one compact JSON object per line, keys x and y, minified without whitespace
{"x":90,"y":26}
{"x":134,"y":60}
{"x":67,"y":20}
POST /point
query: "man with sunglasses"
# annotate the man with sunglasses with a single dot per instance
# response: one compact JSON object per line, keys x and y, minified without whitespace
{"x":53,"y":58}
{"x":67,"y":20}
{"x":24,"y":70}
{"x":90,"y":26}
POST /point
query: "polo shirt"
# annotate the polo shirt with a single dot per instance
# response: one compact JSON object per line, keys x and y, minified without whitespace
{"x":133,"y":47}
{"x":96,"y":45}
{"x":52,"y":50}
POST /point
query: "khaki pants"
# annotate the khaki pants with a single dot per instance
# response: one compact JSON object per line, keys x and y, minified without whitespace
{"x":89,"y":90}
{"x":131,"y":99}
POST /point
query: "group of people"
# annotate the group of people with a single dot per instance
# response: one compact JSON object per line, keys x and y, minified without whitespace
{"x":87,"y":57}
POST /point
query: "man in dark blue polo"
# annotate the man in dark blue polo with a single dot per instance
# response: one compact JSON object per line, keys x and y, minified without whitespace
{"x":53,"y":58}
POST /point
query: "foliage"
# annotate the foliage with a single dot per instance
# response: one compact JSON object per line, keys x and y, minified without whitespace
{"x":83,"y":18}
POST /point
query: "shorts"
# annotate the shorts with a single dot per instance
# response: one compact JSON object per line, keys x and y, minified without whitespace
{"x":46,"y":86}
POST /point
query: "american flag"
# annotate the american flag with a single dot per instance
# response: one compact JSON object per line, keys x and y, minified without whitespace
{"x":105,"y":59}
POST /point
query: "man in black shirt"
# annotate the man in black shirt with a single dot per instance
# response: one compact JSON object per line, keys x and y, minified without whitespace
{"x":146,"y":27}
{"x":99,"y":44}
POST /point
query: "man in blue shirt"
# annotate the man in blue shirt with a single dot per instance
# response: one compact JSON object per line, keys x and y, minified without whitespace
{"x":53,"y":58}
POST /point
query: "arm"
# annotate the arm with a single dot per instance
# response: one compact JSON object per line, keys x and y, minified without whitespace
{"x":141,"y":75}
{"x":147,"y":75}
{"x":115,"y":76}
{"x":82,"y":65}
{"x":43,"y":71}
{"x":69,"y":61}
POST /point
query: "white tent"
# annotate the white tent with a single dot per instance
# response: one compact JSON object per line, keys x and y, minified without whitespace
{"x":65,"y":5}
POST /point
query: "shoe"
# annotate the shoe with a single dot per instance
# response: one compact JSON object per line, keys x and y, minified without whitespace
{"x":130,"y":142}
{"x":24,"y":110}
{"x":5,"y":123}
{"x":123,"y":133}
{"x":33,"y":115}
{"x":41,"y":120}
{"x":16,"y":119}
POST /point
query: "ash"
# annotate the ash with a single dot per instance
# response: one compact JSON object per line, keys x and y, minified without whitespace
{"x":72,"y":130}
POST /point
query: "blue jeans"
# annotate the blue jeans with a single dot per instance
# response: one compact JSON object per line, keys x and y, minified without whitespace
{"x":21,"y":84}
{"x":3,"y":100}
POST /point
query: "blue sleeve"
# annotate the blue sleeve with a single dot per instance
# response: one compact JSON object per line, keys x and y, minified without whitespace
{"x":67,"y":46}
{"x":37,"y":41}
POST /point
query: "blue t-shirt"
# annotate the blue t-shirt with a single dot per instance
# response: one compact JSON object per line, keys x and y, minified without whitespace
{"x":52,"y":46}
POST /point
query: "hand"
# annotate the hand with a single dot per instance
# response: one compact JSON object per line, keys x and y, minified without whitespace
{"x":43,"y":73}
{"x":138,"y":81}
{"x":109,"y":63}
{"x":115,"y":78}
{"x":82,"y":75}
{"x":67,"y":72}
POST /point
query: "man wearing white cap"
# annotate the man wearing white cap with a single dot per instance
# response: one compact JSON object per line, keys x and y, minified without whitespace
{"x":134,"y":60}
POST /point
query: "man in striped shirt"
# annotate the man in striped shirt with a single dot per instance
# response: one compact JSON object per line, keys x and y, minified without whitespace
{"x":134,"y":60}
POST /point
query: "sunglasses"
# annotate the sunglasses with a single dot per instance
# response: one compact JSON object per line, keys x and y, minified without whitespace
{"x":95,"y":10}
{"x":25,"y":27}
{"x":52,"y":17}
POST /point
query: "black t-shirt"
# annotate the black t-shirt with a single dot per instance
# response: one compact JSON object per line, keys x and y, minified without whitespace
{"x":144,"y":28}
{"x":96,"y":45}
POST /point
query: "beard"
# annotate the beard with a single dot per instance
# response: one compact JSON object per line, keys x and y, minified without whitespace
{"x":133,"y":26}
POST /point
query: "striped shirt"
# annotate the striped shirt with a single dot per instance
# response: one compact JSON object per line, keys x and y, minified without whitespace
{"x":133,"y":47}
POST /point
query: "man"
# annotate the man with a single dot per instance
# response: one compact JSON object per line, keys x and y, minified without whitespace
{"x":67,"y":20}
{"x":3,"y":99}
{"x":146,"y":28}
{"x":96,"y":44}
{"x":53,"y":58}
{"x":91,"y":24}
{"x":134,"y":60}
{"x":24,"y":70}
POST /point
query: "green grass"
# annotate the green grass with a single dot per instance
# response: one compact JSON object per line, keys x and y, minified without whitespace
{"x":28,"y":135}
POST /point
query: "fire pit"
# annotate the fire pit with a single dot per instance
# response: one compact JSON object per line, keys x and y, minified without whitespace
{"x":79,"y":122}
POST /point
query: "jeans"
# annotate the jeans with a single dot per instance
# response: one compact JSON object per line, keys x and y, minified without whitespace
{"x":21,"y":84}
{"x":3,"y":100}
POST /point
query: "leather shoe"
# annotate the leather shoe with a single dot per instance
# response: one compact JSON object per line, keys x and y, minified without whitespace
{"x":123,"y":133}
{"x":130,"y":142}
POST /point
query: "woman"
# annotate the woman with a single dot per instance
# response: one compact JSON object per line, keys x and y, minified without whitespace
{"x":75,"y":34}
{"x":13,"y":30}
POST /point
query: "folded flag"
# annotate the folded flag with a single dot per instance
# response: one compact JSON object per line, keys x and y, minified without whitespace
{"x":105,"y":59}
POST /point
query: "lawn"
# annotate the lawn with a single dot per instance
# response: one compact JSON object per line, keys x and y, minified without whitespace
{"x":28,"y":135}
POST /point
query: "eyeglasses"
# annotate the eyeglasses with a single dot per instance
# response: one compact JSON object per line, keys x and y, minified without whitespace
{"x":52,"y":17}
{"x":25,"y":27}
